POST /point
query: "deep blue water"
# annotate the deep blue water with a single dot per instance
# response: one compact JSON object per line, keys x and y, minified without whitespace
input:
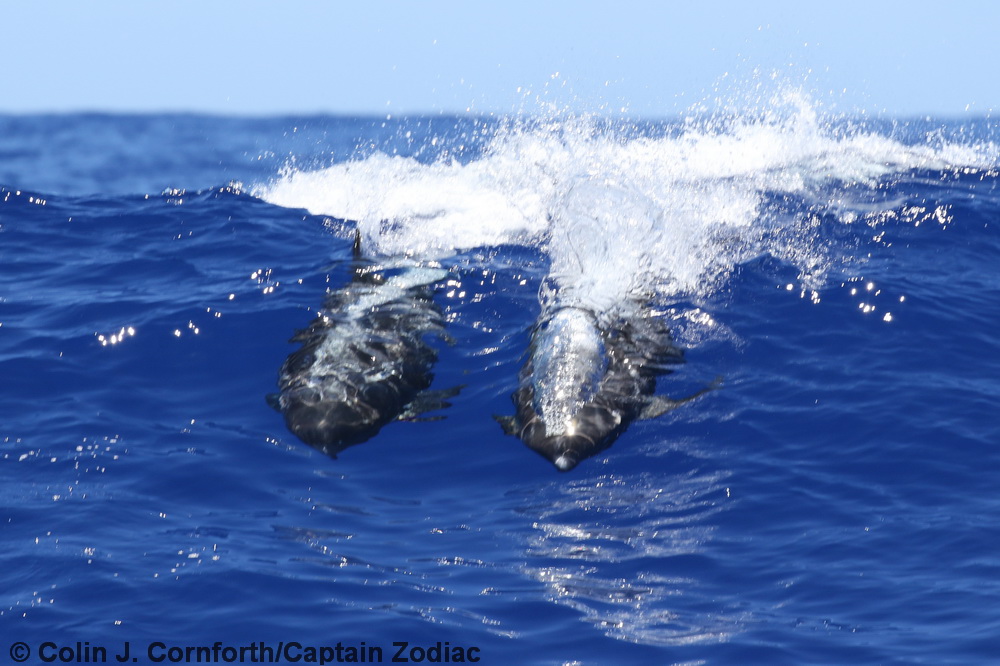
{"x":836,"y":501}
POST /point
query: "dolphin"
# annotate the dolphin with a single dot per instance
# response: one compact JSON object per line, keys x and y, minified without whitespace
{"x":364,"y":360}
{"x":585,"y":382}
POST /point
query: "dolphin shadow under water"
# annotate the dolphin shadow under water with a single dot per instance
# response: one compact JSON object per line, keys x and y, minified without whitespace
{"x":585,"y":382}
{"x":364,"y":360}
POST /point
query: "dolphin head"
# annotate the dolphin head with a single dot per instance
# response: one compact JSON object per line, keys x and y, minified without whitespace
{"x":329,"y":425}
{"x":565,"y":451}
{"x":591,"y":431}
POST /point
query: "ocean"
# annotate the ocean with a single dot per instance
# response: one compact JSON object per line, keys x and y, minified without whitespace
{"x":835,"y":501}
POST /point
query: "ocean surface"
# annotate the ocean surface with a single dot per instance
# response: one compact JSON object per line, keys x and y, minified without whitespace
{"x":836,"y":501}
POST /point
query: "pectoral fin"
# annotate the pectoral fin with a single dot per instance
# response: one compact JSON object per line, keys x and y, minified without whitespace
{"x":659,"y":405}
{"x":428,"y":401}
{"x":508,"y":423}
{"x":274,"y":400}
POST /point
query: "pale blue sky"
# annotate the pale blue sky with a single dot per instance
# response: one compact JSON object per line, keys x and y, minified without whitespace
{"x":377,"y":57}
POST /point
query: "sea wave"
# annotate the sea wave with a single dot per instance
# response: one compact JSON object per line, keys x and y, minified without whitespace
{"x":623,"y":215}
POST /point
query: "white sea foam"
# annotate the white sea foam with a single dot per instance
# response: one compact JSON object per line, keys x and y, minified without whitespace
{"x":622,"y":217}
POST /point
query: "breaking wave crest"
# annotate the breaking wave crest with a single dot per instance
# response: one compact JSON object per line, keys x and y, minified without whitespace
{"x":627,"y":211}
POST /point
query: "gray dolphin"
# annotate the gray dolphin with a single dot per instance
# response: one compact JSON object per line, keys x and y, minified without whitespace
{"x":365,"y":360}
{"x":584,"y":382}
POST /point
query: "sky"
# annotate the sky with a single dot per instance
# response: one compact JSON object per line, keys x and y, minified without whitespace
{"x":644,"y":59}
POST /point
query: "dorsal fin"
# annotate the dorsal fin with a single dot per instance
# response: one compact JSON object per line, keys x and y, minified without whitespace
{"x":362,"y":267}
{"x":356,"y":259}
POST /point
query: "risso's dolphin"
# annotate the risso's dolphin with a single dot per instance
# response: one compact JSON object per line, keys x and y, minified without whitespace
{"x":584,"y":382}
{"x":365,"y":360}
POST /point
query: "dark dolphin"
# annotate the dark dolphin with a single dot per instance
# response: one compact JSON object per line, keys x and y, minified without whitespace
{"x":365,"y":360}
